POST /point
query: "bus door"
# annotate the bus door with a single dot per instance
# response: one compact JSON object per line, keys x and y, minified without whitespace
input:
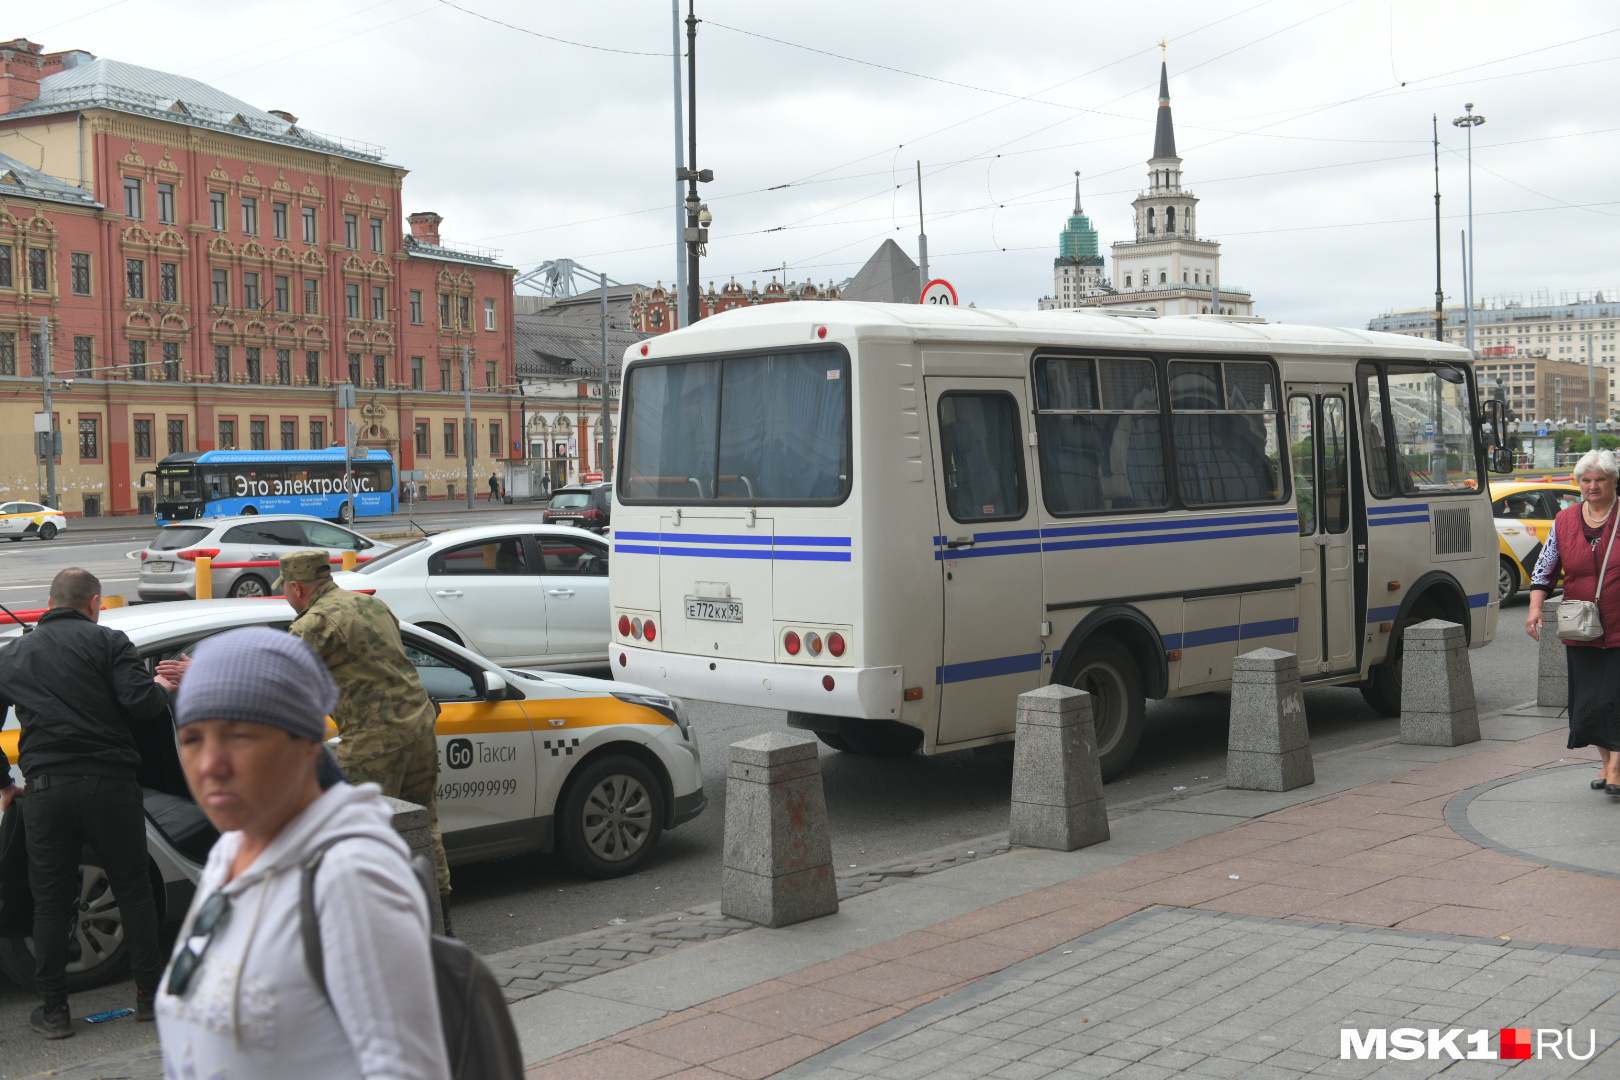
{"x":1319,"y":449}
{"x":989,"y":552}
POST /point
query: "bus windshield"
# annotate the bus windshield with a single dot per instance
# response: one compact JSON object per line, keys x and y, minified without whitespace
{"x":178,"y":485}
{"x":754,"y":429}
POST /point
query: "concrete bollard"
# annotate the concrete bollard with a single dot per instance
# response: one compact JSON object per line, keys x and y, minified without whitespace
{"x":1552,"y":662}
{"x":1268,"y":747}
{"x":778,"y":857}
{"x":1057,"y":796}
{"x":411,"y":822}
{"x":1437,"y":686}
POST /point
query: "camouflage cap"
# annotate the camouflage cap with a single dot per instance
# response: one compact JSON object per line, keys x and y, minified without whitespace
{"x":312,"y":565}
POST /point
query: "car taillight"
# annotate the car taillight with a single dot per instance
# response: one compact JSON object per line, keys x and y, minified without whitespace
{"x":835,"y":643}
{"x":635,"y":629}
{"x":649,"y":630}
{"x":143,"y":555}
{"x":624,"y":626}
{"x":812,"y":643}
{"x":591,"y":515}
{"x":790,"y":642}
{"x":193,"y":554}
{"x":365,"y":592}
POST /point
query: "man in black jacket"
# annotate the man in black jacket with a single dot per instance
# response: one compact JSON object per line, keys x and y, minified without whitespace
{"x":77,"y":687}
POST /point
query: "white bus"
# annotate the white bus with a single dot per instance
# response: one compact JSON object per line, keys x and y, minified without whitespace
{"x":890,"y":520}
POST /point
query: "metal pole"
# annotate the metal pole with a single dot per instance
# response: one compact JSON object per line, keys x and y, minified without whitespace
{"x":606,"y":455}
{"x":1591,"y":396}
{"x":1470,"y":121}
{"x":1439,"y":295}
{"x":680,"y":211}
{"x":692,"y":308}
{"x":922,"y":236}
{"x":466,"y":421}
{"x":50,"y":428}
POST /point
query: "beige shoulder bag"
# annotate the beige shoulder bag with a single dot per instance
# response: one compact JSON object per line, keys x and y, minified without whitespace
{"x":1578,"y":620}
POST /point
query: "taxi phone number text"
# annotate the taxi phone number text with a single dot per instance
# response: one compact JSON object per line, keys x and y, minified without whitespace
{"x":477,"y":789}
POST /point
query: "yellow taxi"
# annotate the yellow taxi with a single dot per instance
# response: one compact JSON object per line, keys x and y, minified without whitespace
{"x":1524,"y":512}
{"x":20,"y":519}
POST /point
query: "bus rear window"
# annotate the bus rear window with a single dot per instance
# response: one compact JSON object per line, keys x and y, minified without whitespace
{"x":754,"y":429}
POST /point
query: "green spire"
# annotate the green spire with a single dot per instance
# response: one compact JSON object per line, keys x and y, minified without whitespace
{"x":1078,"y":240}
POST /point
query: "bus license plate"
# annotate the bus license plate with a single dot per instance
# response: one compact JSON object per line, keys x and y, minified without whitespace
{"x":160,"y":567}
{"x":714,"y":610}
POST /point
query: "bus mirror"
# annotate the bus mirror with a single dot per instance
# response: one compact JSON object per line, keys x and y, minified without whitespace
{"x":1501,"y":460}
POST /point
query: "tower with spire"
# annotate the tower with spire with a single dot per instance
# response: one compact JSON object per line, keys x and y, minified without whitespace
{"x":1167,"y":267}
{"x":1077,"y":272}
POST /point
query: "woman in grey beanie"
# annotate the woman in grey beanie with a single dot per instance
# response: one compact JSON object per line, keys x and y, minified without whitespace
{"x":238,"y":999}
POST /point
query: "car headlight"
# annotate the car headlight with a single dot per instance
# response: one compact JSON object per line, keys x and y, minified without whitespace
{"x":672,"y":709}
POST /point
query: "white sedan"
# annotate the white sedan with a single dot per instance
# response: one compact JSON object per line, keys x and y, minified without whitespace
{"x":518,"y":594}
{"x":20,"y":519}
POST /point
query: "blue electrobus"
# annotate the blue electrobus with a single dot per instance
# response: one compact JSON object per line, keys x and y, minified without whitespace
{"x":216,"y":483}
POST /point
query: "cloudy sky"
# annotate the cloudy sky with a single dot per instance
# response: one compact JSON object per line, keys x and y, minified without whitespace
{"x":1304,"y":126}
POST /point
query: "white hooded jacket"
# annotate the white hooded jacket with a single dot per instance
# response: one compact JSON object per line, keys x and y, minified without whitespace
{"x":254,"y":1013}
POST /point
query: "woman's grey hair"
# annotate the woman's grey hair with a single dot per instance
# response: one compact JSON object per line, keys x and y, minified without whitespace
{"x":1600,"y":461}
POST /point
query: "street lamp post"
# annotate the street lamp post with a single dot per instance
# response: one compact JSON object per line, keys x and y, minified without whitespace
{"x":697,"y":212}
{"x":1469,"y":121}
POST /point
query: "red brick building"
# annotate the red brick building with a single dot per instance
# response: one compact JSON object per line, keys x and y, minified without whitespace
{"x":211,"y":273}
{"x":658,"y":310}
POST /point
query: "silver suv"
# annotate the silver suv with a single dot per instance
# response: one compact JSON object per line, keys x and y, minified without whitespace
{"x":245,"y":551}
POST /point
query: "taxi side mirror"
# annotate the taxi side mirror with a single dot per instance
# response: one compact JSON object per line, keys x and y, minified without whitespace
{"x":498,"y":689}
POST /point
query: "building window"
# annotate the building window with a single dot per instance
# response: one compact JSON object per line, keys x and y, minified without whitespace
{"x":309,"y":228}
{"x":312,"y":372}
{"x":137,"y":360}
{"x":84,"y":357}
{"x":5,"y":268}
{"x":89,"y":438}
{"x":312,"y":296}
{"x":143,"y":440}
{"x":449,"y":438}
{"x":132,"y":198}
{"x":171,"y":361}
{"x":278,"y":220}
{"x":444,"y":310}
{"x":317,"y":434}
{"x":250,"y":291}
{"x":494,"y":438}
{"x":283,"y":300}
{"x":216,"y":210}
{"x":222,"y":363}
{"x":81,"y":271}
{"x":256,"y":435}
{"x":444,"y":375}
{"x":38,"y":275}
{"x":166,"y":203}
{"x":421,"y":438}
{"x":376,"y":235}
{"x":351,"y":298}
{"x":416,"y":307}
{"x":250,"y":216}
{"x":222,"y":288}
{"x":354,"y":368}
{"x":379,"y":370}
{"x":489,"y":374}
{"x":466,"y":312}
{"x":416,"y":373}
{"x":284,"y":368}
{"x":378,"y":303}
{"x":489,"y":314}
{"x":169,"y":282}
{"x":177,"y":436}
{"x":254,"y":370}
{"x":227,"y":434}
{"x":8,"y":352}
{"x":351,"y":232}
{"x":289,"y":434}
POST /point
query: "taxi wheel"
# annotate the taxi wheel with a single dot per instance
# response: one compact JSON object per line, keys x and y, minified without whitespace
{"x":48,"y":531}
{"x":96,"y":952}
{"x":1507,"y":580}
{"x":613,"y":813}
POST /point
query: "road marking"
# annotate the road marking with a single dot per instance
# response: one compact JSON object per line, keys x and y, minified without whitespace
{"x":47,"y":586}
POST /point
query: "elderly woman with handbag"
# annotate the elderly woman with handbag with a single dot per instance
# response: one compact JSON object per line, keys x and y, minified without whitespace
{"x":1581,"y":543}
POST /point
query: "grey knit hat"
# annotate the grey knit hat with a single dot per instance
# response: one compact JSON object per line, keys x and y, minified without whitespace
{"x":260,"y":675}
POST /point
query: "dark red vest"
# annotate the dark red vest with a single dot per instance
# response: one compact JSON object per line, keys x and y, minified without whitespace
{"x":1580,"y":565}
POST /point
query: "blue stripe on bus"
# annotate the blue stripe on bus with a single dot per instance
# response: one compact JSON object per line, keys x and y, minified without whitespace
{"x":822,"y":541}
{"x":1179,"y":523}
{"x":627,"y":535}
{"x":1402,"y":508}
{"x":1478,"y":599}
{"x":1215,"y":635}
{"x":1172,"y":538}
{"x":1423,"y":520}
{"x":725,"y":538}
{"x":810,"y":556}
{"x":1383,"y":614}
{"x":733,"y":553}
{"x":979,"y":553}
{"x":986,"y":669}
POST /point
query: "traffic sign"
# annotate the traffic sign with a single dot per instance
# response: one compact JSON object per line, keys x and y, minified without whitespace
{"x":1428,"y":427}
{"x":1541,"y":431}
{"x":939,"y":291}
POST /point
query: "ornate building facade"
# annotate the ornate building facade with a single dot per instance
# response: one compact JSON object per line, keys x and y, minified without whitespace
{"x":210,"y":273}
{"x":1077,"y":272}
{"x":657,"y":309}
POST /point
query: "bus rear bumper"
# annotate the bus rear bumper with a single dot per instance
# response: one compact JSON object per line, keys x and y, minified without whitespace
{"x":869,"y":693}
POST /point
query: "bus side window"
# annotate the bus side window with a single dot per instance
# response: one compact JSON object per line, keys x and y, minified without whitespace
{"x":1101,"y":437}
{"x":1302,"y":451}
{"x":1224,"y":422}
{"x":982,"y":445}
{"x":1372,"y":423}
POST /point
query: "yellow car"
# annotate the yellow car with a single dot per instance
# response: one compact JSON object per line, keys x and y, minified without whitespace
{"x":20,"y":519}
{"x":1524,"y":512}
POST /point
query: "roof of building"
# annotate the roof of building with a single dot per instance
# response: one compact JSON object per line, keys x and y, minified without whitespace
{"x":1457,"y":314}
{"x":556,"y":347}
{"x":889,"y":277}
{"x":458,"y":253}
{"x":1164,"y":136}
{"x":18,"y":179}
{"x":113,"y":84}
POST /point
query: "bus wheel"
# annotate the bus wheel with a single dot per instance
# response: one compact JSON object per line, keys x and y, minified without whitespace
{"x":879,"y":738}
{"x":1382,"y":690}
{"x":837,"y":742}
{"x":1507,"y":580}
{"x":250,"y":511}
{"x":1106,"y":671}
{"x":346,"y":513}
{"x":250,"y":585}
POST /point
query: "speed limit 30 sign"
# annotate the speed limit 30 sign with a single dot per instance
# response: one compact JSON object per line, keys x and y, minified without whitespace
{"x":939,"y":291}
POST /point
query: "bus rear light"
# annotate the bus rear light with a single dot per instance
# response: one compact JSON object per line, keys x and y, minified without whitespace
{"x":812,"y":644}
{"x":827,"y":682}
{"x":193,"y":554}
{"x":635,"y":629}
{"x":821,"y":331}
{"x":645,"y":350}
{"x":623,"y":660}
{"x":790,"y":642}
{"x":649,"y":630}
{"x":624,"y":626}
{"x":835,"y":643}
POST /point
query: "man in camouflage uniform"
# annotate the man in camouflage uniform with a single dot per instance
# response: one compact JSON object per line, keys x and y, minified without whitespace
{"x":384,"y":716}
